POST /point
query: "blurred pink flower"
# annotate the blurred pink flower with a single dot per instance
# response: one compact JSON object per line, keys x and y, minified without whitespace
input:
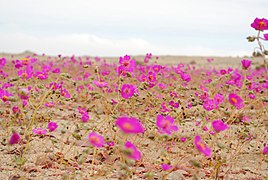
{"x":127,"y":91}
{"x":165,"y":124}
{"x":236,"y":101}
{"x":265,"y":36}
{"x":40,"y":131}
{"x":52,"y":126}
{"x":41,"y":75}
{"x":15,"y":110}
{"x":201,"y":146}
{"x":260,"y":24}
{"x":96,"y":139}
{"x":218,"y":125}
{"x":166,"y":167}
{"x":65,"y":93}
{"x":14,"y":139}
{"x":135,"y":153}
{"x":246,"y":63}
{"x":2,"y":62}
{"x":129,"y":125}
{"x":265,"y":150}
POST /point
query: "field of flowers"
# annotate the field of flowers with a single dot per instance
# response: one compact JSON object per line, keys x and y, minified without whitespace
{"x":88,"y":118}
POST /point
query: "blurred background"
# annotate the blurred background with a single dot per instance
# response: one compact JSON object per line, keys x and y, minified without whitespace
{"x":119,"y":27}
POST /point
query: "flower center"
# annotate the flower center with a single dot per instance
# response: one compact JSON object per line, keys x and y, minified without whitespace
{"x":262,"y":24}
{"x":94,"y":139}
{"x":202,"y":145}
{"x":234,"y":100}
{"x":128,"y":126}
{"x":5,"y":98}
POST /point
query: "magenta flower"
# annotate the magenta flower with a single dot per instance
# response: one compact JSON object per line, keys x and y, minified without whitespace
{"x":219,"y":125}
{"x":265,"y":36}
{"x":185,"y":77}
{"x":260,"y":24}
{"x":2,"y":62}
{"x":166,"y":167}
{"x":40,"y":131}
{"x":165,"y":124}
{"x":41,"y":75}
{"x":151,"y":77}
{"x":4,"y":95}
{"x":246,"y":63}
{"x":16,"y":110}
{"x":236,"y":101}
{"x":265,"y":150}
{"x":127,"y":91}
{"x":201,"y":146}
{"x":65,"y":93}
{"x":96,"y":139}
{"x":129,"y":125}
{"x":183,"y":139}
{"x":14,"y":139}
{"x":135,"y":153}
{"x":127,"y":63}
{"x":50,"y":104}
{"x":85,"y":117}
{"x":52,"y":126}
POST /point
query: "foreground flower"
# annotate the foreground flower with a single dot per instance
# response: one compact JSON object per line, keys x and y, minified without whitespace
{"x":246,"y":63}
{"x":165,"y":124}
{"x":40,"y":131}
{"x":236,"y":100}
{"x":14,"y":139}
{"x":201,"y":146}
{"x":219,"y":125}
{"x":52,"y":126}
{"x":134,"y":152}
{"x":166,"y":167}
{"x":96,"y":139}
{"x":129,"y":125}
{"x":260,"y":24}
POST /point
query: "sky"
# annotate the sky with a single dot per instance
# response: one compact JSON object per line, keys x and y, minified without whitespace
{"x":137,"y":27}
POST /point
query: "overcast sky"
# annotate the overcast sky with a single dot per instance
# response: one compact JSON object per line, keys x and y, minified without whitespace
{"x":119,"y":27}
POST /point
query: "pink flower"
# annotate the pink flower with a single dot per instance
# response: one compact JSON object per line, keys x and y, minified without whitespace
{"x":219,"y":125}
{"x":96,"y":139}
{"x":183,"y":139}
{"x":166,"y":167}
{"x":129,"y":125}
{"x":14,"y":139}
{"x":246,"y":63}
{"x":41,"y":75}
{"x":185,"y":77}
{"x":50,"y":104}
{"x":151,"y":77}
{"x":265,"y":150}
{"x":40,"y":131}
{"x":16,"y":110}
{"x":85,"y":117}
{"x":201,"y":146}
{"x":127,"y":91}
{"x":52,"y":126}
{"x":2,"y":62}
{"x":260,"y":24}
{"x":265,"y":36}
{"x":165,"y":124}
{"x":65,"y":93}
{"x":236,"y":101}
{"x":127,"y":63}
{"x":134,"y":152}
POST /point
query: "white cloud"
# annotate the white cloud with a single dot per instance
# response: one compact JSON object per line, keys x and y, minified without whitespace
{"x":88,"y":44}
